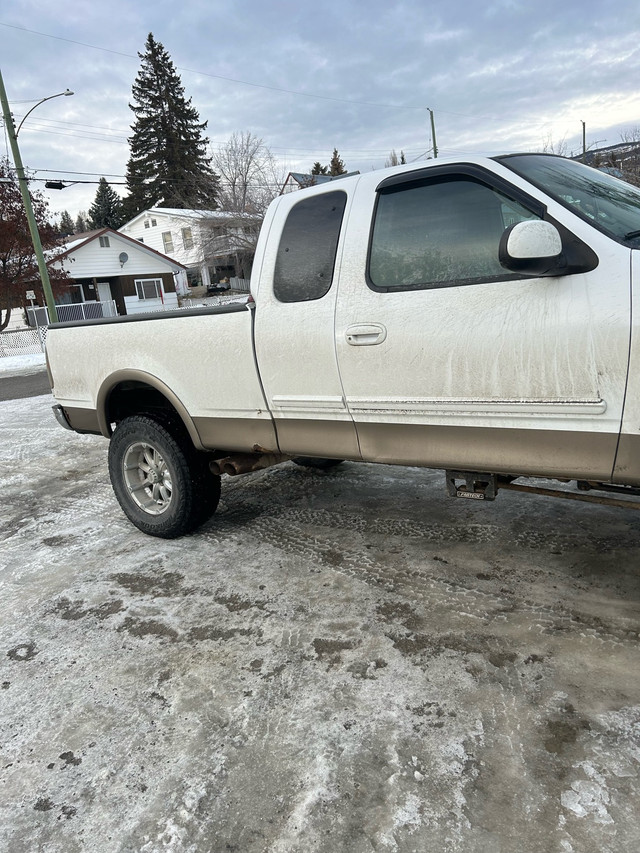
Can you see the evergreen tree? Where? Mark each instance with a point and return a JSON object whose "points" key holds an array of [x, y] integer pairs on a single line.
{"points": [[81, 223], [319, 169], [336, 166], [65, 229], [106, 210], [168, 164]]}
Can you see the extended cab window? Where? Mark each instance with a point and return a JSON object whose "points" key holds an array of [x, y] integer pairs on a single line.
{"points": [[307, 251], [438, 232]]}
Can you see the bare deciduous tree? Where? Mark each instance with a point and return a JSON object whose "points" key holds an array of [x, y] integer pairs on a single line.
{"points": [[18, 263], [394, 160], [250, 177], [630, 159], [551, 147]]}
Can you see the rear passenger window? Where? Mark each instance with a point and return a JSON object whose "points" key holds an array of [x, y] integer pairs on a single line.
{"points": [[307, 252]]}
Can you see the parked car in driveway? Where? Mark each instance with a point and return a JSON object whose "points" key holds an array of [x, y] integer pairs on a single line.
{"points": [[220, 287]]}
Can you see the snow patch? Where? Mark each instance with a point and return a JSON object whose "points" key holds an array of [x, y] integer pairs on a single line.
{"points": [[21, 365], [588, 797]]}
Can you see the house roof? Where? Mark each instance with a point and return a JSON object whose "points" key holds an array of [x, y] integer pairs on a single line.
{"points": [[181, 213], [75, 240], [80, 240], [307, 180]]}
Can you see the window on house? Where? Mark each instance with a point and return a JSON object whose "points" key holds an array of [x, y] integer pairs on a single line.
{"points": [[167, 241], [154, 222], [146, 224], [104, 241], [187, 238], [149, 288]]}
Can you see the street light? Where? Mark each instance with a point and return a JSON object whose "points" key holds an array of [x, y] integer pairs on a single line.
{"points": [[26, 198], [66, 93]]}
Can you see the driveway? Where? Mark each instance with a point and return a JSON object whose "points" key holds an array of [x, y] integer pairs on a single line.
{"points": [[30, 385], [341, 661]]}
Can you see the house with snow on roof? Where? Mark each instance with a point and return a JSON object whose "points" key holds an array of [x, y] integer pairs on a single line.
{"points": [[211, 244]]}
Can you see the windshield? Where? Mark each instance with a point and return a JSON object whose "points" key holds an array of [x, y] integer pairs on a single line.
{"points": [[612, 205]]}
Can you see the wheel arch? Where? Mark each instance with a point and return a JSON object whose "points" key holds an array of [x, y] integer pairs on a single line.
{"points": [[135, 392]]}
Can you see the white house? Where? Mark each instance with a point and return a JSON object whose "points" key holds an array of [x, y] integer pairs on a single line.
{"points": [[211, 244], [112, 269]]}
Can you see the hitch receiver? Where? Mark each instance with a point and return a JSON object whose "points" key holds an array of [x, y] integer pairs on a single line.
{"points": [[472, 485]]}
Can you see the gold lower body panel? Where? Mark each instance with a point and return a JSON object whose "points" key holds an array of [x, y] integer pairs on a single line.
{"points": [[543, 453]]}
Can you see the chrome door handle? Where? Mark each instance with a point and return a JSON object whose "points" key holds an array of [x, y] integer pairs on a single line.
{"points": [[366, 334]]}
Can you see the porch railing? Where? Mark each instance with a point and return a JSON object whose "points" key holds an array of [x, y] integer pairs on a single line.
{"points": [[73, 312]]}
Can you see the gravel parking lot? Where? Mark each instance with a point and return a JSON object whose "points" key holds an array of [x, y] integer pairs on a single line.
{"points": [[342, 661]]}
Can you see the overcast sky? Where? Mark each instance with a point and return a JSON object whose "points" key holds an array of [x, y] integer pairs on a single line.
{"points": [[359, 75]]}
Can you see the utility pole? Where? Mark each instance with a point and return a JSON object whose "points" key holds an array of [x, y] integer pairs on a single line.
{"points": [[433, 134], [28, 207], [584, 142]]}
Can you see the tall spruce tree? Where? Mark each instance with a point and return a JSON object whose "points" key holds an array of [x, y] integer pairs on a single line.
{"points": [[106, 210], [336, 166], [168, 165]]}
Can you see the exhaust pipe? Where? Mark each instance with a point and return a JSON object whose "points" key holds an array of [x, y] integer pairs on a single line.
{"points": [[245, 463]]}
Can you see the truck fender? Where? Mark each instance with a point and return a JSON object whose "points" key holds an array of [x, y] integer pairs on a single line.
{"points": [[132, 375]]}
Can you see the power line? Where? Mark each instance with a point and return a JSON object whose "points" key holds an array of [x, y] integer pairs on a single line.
{"points": [[318, 151], [95, 137], [60, 121], [234, 79]]}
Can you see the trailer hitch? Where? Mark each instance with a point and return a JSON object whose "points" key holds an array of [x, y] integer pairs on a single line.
{"points": [[472, 485]]}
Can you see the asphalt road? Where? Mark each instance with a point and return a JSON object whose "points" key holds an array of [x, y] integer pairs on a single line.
{"points": [[19, 387]]}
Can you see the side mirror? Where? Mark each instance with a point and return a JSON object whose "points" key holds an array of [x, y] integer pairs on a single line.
{"points": [[533, 247]]}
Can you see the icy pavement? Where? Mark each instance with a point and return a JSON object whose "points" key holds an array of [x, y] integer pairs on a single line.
{"points": [[340, 662]]}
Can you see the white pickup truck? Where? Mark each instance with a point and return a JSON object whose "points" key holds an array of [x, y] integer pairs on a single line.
{"points": [[474, 315]]}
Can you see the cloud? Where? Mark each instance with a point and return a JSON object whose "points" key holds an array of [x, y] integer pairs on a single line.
{"points": [[356, 74]]}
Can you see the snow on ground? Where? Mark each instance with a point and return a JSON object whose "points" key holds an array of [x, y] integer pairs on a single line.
{"points": [[337, 662], [21, 365]]}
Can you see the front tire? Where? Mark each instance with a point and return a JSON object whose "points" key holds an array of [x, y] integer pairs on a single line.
{"points": [[162, 483]]}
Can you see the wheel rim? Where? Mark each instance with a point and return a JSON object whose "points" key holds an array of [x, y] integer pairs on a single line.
{"points": [[147, 478]]}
